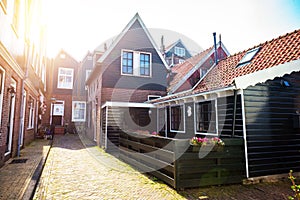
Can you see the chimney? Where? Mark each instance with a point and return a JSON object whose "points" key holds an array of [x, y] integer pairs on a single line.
{"points": [[162, 45], [215, 45], [105, 46]]}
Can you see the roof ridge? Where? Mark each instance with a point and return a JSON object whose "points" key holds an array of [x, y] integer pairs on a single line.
{"points": [[266, 42]]}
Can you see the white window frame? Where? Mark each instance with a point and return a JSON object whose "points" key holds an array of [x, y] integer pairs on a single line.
{"points": [[87, 73], [249, 55], [31, 116], [179, 51], [180, 61], [3, 5], [73, 111], [151, 97], [1, 90], [16, 17], [63, 85], [195, 117], [136, 63], [183, 116]]}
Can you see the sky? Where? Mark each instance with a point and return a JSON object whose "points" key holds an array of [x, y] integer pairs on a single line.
{"points": [[79, 26]]}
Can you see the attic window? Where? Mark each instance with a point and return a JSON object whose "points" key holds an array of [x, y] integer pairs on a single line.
{"points": [[248, 57], [179, 51], [62, 56]]}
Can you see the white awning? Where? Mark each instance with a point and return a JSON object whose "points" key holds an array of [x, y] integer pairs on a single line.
{"points": [[262, 76]]}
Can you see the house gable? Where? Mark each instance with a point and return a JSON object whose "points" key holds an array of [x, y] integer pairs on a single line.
{"points": [[176, 53], [193, 69], [135, 39]]}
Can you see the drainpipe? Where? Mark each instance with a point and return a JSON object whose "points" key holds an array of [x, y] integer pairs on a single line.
{"points": [[27, 53], [21, 126], [215, 45]]}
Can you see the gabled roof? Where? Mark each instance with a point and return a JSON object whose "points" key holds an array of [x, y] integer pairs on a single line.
{"points": [[283, 49], [168, 48], [182, 70], [67, 54], [185, 70], [136, 18], [120, 36]]}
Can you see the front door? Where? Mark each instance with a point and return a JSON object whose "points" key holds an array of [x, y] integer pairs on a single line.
{"points": [[11, 113]]}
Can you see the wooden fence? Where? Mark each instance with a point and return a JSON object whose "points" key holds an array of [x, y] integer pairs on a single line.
{"points": [[181, 165]]}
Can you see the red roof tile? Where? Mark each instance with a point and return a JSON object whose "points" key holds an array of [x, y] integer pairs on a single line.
{"points": [[180, 70], [284, 49]]}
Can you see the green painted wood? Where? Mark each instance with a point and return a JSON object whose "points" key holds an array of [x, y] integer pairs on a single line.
{"points": [[187, 169]]}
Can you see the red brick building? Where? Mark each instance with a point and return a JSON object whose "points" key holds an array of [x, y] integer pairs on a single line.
{"points": [[22, 74]]}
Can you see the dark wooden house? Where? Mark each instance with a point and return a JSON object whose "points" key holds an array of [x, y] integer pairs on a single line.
{"points": [[253, 95], [130, 72]]}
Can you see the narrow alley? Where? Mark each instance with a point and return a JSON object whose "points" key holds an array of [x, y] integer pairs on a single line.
{"points": [[75, 171]]}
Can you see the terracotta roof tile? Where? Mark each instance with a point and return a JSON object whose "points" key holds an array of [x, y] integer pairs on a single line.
{"points": [[180, 70], [277, 51]]}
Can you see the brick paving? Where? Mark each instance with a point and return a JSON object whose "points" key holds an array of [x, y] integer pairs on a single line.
{"points": [[75, 171], [17, 181]]}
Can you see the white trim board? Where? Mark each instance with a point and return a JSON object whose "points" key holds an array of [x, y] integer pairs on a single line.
{"points": [[262, 76], [128, 104]]}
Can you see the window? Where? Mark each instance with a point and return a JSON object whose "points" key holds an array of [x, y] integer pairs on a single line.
{"points": [[78, 111], [248, 56], [16, 15], [144, 64], [206, 117], [179, 51], [177, 118], [3, 4], [87, 74], [62, 55], [1, 90], [152, 97], [31, 104], [136, 63], [65, 78], [127, 62], [180, 61], [202, 72]]}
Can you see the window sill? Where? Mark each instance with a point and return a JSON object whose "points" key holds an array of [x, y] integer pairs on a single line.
{"points": [[175, 131], [202, 133], [133, 75]]}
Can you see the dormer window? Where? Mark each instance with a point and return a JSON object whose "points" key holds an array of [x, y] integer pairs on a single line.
{"points": [[248, 57], [136, 63], [179, 51], [62, 56]]}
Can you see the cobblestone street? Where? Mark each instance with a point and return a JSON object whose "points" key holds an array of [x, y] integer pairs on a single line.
{"points": [[73, 171], [77, 169]]}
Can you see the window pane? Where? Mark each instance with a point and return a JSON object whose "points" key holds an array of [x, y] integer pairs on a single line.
{"points": [[177, 118], [144, 64], [206, 118], [127, 62], [129, 54]]}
